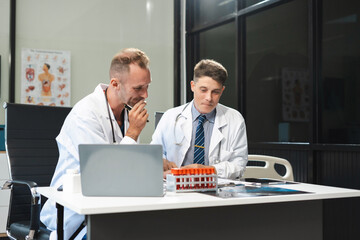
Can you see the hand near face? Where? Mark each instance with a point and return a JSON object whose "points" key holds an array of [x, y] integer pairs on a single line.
{"points": [[138, 116]]}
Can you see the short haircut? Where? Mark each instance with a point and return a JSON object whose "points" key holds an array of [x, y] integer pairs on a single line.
{"points": [[212, 69], [47, 65], [121, 61]]}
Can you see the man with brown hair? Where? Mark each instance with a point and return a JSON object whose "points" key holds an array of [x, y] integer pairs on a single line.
{"points": [[204, 132]]}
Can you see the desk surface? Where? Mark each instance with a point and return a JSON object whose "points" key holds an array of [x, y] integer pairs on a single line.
{"points": [[99, 205]]}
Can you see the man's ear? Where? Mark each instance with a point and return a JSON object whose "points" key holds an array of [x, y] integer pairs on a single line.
{"points": [[192, 83], [114, 82]]}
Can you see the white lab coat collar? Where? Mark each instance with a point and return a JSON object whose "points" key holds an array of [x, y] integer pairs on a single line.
{"points": [[220, 122], [99, 91], [216, 137], [186, 123]]}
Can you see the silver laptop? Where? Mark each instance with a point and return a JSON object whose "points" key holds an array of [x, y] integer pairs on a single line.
{"points": [[123, 170]]}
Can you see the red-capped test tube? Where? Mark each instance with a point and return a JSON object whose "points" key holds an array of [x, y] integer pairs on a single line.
{"points": [[191, 178], [196, 178], [208, 172], [182, 173]]}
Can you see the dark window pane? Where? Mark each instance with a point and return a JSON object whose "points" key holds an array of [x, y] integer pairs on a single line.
{"points": [[248, 3], [340, 83], [207, 11], [219, 44], [277, 78]]}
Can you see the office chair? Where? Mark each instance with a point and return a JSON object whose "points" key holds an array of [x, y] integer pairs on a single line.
{"points": [[158, 116], [268, 170], [32, 152]]}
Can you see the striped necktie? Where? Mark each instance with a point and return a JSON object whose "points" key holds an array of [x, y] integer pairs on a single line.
{"points": [[199, 149]]}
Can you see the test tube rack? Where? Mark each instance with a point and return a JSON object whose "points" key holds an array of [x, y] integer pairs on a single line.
{"points": [[192, 180]]}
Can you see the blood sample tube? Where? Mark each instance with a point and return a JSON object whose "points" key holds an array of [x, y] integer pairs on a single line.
{"points": [[187, 180], [196, 178], [191, 178], [202, 178], [208, 179], [182, 174], [212, 178]]}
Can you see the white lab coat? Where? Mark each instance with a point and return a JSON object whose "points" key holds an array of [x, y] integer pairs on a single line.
{"points": [[174, 132], [88, 122]]}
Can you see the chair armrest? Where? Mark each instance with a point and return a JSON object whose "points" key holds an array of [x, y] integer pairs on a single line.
{"points": [[8, 183], [35, 203]]}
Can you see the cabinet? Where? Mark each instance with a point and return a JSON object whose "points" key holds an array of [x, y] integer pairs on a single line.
{"points": [[4, 194]]}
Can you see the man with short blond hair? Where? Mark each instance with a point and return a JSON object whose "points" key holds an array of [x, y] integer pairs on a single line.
{"points": [[101, 118]]}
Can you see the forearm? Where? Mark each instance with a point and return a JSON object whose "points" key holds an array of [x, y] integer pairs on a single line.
{"points": [[231, 169]]}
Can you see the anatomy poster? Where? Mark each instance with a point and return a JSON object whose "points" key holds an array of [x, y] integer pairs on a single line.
{"points": [[295, 95], [45, 77]]}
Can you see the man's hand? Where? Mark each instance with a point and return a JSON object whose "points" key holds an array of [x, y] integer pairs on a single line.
{"points": [[137, 120], [168, 165], [166, 173]]}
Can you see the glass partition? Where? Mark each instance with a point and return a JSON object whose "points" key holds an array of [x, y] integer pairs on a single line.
{"points": [[219, 44], [340, 73], [277, 76], [206, 11]]}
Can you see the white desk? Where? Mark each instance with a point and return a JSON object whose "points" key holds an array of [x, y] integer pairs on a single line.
{"points": [[200, 216]]}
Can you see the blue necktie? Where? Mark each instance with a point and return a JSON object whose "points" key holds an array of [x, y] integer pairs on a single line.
{"points": [[199, 149]]}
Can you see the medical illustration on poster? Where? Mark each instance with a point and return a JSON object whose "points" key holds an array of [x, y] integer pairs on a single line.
{"points": [[45, 77], [295, 95]]}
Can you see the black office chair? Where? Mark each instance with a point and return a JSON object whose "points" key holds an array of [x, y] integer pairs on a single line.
{"points": [[158, 116], [30, 133]]}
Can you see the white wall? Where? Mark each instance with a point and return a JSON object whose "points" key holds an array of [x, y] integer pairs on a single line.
{"points": [[94, 30], [4, 52]]}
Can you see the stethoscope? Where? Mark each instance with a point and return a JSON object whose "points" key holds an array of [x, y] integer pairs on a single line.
{"points": [[176, 120], [217, 160], [108, 109]]}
